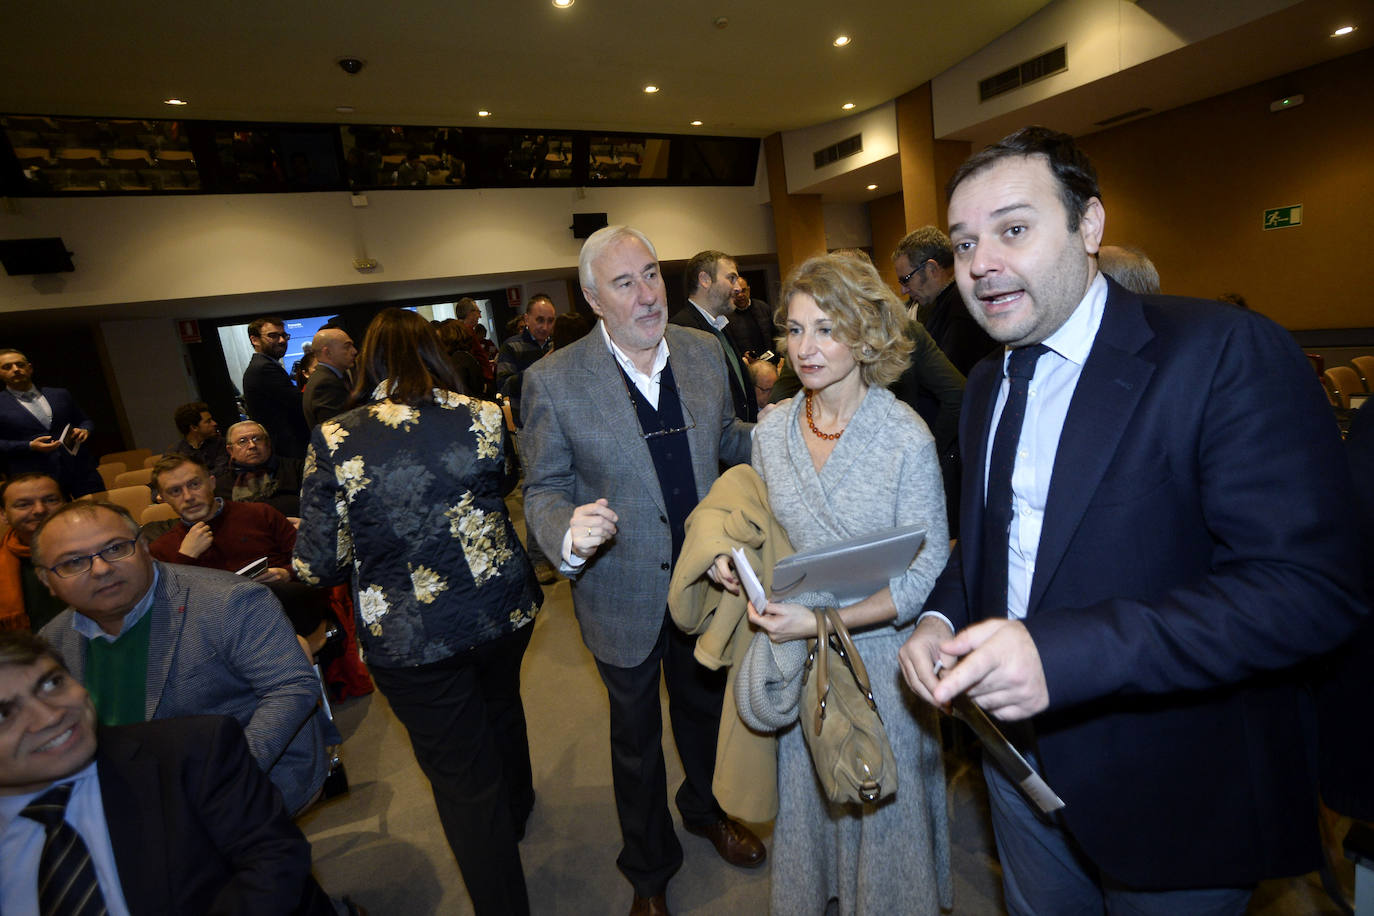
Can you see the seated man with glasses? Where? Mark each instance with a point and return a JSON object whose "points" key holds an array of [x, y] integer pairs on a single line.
{"points": [[155, 641], [258, 474], [271, 398]]}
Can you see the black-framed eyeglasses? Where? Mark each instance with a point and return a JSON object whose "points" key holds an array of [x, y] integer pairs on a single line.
{"points": [[75, 566], [914, 271], [659, 433], [277, 335]]}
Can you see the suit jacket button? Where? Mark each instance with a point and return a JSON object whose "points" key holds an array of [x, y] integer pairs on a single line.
{"points": [[663, 519], [664, 566]]}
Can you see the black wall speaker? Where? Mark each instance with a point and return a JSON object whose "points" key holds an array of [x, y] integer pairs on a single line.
{"points": [[584, 224], [35, 256]]}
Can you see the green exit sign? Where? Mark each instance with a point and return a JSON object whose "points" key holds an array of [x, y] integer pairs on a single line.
{"points": [[1283, 217]]}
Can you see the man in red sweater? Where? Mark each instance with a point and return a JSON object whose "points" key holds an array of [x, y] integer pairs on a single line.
{"points": [[218, 533]]}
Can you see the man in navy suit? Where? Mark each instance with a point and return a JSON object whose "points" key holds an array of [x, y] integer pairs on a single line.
{"points": [[1145, 554], [159, 817], [268, 392], [710, 279], [31, 419]]}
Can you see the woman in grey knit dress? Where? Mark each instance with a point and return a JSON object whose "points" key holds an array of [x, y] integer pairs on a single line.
{"points": [[845, 458]]}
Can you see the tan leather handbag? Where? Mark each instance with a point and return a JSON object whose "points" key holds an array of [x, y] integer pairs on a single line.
{"points": [[844, 732]]}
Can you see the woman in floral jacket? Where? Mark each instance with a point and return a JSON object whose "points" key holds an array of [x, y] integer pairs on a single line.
{"points": [[405, 493]]}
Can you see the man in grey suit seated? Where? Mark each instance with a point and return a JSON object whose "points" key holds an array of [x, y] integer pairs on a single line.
{"points": [[624, 431], [153, 641]]}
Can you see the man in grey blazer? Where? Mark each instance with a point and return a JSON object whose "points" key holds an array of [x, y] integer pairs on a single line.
{"points": [[624, 432], [153, 641]]}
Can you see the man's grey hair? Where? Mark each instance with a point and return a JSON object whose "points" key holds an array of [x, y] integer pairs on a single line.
{"points": [[596, 245], [925, 244], [1129, 267], [232, 433]]}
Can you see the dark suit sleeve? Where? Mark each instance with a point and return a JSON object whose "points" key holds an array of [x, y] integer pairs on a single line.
{"points": [[1272, 488], [325, 399], [934, 372], [16, 439], [268, 857]]}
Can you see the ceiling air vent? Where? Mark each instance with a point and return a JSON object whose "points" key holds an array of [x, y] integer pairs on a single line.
{"points": [[837, 151], [1036, 68]]}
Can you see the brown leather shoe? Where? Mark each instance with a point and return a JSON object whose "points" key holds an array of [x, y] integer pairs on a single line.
{"points": [[657, 905], [735, 842]]}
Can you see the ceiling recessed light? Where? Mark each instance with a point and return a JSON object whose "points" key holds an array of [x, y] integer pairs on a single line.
{"points": [[344, 109], [483, 113], [1343, 30], [847, 105], [173, 102], [651, 88], [562, 4], [873, 187], [841, 41], [696, 123]]}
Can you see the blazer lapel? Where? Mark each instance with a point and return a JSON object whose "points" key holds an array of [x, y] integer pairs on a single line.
{"points": [[1104, 402], [132, 798], [608, 396], [169, 615], [976, 423]]}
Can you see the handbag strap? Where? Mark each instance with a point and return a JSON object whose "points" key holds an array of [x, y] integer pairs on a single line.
{"points": [[821, 650], [851, 656]]}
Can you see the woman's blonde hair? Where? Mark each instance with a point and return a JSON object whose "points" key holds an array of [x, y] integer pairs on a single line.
{"points": [[868, 317]]}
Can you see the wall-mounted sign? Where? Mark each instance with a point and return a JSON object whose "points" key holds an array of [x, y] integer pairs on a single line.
{"points": [[1283, 217], [189, 329]]}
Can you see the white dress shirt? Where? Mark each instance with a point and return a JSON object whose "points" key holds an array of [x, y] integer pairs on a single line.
{"points": [[21, 846], [1047, 404]]}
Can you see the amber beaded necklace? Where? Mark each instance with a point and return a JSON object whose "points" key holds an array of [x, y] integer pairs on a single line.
{"points": [[830, 437]]}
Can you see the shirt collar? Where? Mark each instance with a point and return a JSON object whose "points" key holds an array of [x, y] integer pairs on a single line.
{"points": [[716, 321], [660, 356], [11, 805], [91, 630], [337, 372]]}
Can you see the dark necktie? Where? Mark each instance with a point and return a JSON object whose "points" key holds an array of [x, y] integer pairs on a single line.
{"points": [[67, 885], [998, 514]]}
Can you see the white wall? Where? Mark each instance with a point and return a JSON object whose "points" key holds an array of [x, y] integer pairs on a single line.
{"points": [[170, 248], [148, 359], [878, 126], [1103, 38]]}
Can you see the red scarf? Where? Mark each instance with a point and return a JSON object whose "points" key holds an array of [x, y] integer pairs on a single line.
{"points": [[13, 556]]}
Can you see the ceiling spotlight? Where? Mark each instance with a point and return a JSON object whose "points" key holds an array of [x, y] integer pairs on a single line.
{"points": [[562, 4], [841, 41], [696, 123], [1343, 30], [847, 106], [651, 88], [173, 102], [873, 187], [483, 113]]}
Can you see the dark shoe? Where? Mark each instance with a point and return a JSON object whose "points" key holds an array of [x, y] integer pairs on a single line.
{"points": [[657, 905], [735, 842]]}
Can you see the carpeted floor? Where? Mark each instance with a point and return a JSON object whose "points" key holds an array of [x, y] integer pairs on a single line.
{"points": [[382, 844]]}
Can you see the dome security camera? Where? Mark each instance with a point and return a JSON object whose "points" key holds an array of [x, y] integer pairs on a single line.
{"points": [[350, 65]]}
